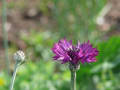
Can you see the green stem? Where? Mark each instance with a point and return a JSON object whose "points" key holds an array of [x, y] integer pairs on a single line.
{"points": [[14, 76], [5, 35], [73, 79]]}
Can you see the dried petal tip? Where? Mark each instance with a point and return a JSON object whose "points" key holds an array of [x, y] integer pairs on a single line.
{"points": [[19, 56]]}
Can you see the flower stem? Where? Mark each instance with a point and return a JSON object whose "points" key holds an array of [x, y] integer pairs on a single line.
{"points": [[5, 34], [73, 79], [14, 76]]}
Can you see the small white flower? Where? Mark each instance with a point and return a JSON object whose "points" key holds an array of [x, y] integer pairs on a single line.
{"points": [[19, 56]]}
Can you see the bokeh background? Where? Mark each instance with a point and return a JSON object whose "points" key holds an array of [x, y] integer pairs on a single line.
{"points": [[35, 25]]}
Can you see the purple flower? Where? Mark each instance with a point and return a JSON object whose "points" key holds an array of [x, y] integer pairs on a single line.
{"points": [[66, 52]]}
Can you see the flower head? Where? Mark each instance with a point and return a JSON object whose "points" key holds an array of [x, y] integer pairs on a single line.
{"points": [[19, 56], [66, 52]]}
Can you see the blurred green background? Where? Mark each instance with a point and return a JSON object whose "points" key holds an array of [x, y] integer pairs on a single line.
{"points": [[35, 25]]}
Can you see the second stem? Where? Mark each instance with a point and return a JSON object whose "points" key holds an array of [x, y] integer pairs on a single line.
{"points": [[14, 76]]}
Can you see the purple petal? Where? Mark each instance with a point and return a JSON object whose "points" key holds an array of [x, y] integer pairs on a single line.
{"points": [[60, 49]]}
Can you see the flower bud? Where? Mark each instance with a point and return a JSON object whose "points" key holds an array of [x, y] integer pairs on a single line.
{"points": [[74, 67], [19, 56]]}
